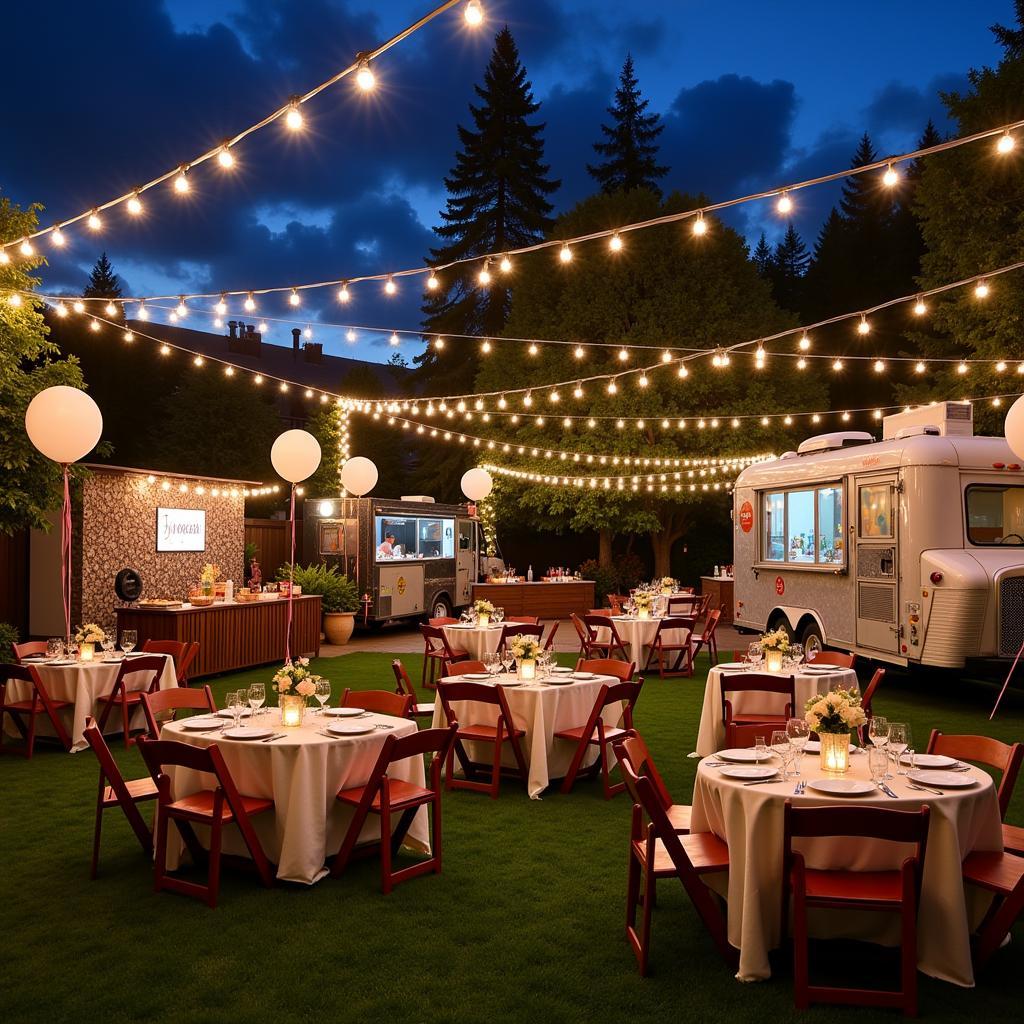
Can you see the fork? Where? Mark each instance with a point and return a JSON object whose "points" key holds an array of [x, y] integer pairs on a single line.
{"points": [[925, 789], [799, 788]]}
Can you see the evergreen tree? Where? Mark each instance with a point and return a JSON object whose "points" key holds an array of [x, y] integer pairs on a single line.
{"points": [[103, 282], [763, 256], [787, 268], [630, 149]]}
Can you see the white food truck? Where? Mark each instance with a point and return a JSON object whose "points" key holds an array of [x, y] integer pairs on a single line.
{"points": [[908, 550]]}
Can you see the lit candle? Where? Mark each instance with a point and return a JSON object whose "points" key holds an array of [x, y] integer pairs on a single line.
{"points": [[86, 652], [773, 661], [483, 620], [527, 668]]}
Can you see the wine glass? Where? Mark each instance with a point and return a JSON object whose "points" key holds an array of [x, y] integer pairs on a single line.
{"points": [[781, 746], [499, 615], [796, 652], [878, 733], [753, 650], [756, 656], [129, 638], [107, 643], [322, 692], [230, 702], [508, 659], [899, 741], [799, 733], [877, 760], [54, 647], [257, 697], [760, 749]]}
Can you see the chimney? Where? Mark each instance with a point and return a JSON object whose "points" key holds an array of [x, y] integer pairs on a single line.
{"points": [[313, 352], [232, 326], [296, 334]]}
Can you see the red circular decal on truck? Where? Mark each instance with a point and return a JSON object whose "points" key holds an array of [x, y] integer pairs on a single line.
{"points": [[746, 517], [780, 585]]}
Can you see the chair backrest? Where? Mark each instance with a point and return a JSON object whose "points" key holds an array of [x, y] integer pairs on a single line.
{"points": [[711, 624], [1003, 757], [577, 623], [634, 750], [513, 629], [481, 693], [531, 620], [399, 748], [741, 735], [469, 666], [621, 670], [28, 648], [674, 622], [616, 693], [383, 702], [758, 682], [838, 658], [108, 766], [599, 611], [442, 620], [684, 604], [615, 603], [175, 648], [865, 700], [173, 699], [158, 754], [436, 639], [23, 673], [153, 664], [403, 684], [550, 642], [595, 622]]}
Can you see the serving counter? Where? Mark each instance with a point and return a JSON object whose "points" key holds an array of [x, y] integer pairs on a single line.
{"points": [[231, 635], [545, 600], [721, 590]]}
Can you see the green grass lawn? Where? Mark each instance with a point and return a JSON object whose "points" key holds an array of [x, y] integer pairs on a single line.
{"points": [[525, 923]]}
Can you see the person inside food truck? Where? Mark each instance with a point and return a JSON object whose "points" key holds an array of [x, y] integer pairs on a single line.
{"points": [[387, 546]]}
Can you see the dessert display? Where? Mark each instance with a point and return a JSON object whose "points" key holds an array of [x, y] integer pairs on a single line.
{"points": [[165, 603]]}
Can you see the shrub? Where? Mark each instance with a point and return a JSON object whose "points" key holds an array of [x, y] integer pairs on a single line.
{"points": [[337, 591], [630, 569], [8, 636], [605, 580]]}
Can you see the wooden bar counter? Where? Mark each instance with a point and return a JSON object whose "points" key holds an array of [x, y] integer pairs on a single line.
{"points": [[721, 590], [545, 600], [231, 636]]}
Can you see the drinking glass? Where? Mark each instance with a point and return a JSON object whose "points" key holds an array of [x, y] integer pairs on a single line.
{"points": [[508, 659], [878, 733], [107, 643], [230, 702], [129, 638], [499, 614], [797, 653], [55, 647], [760, 749], [257, 697], [799, 733], [781, 746], [877, 760], [322, 692], [756, 656], [899, 741]]}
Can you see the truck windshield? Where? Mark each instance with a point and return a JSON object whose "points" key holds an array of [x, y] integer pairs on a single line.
{"points": [[995, 515]]}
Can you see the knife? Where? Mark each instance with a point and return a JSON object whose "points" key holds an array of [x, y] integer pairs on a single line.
{"points": [[276, 736], [763, 782], [887, 791]]}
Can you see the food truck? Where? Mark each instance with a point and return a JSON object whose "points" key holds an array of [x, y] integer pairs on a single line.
{"points": [[908, 550], [410, 557]]}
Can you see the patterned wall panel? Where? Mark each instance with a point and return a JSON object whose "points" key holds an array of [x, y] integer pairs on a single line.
{"points": [[118, 529]]}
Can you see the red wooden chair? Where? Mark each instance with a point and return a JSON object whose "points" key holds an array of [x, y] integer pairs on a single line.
{"points": [[442, 620], [581, 633], [549, 644], [896, 891], [514, 628], [382, 702], [596, 733], [386, 796], [497, 735], [175, 699], [1005, 758], [128, 700], [403, 685], [838, 658], [29, 708], [1001, 874], [615, 603], [684, 604], [526, 620], [212, 807], [603, 648], [438, 654], [755, 682], [184, 652], [633, 750], [117, 791], [707, 638], [607, 667], [28, 649], [664, 650], [659, 851]]}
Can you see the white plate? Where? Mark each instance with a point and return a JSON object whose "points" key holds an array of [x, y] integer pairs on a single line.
{"points": [[509, 682], [559, 680], [349, 729], [733, 665], [742, 755], [477, 676], [66, 661], [944, 780], [819, 670], [248, 732], [201, 723], [583, 675], [812, 747], [749, 771], [933, 761], [226, 713], [841, 787], [345, 712], [562, 670]]}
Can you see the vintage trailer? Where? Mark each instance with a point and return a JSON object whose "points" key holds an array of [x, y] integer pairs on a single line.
{"points": [[436, 556], [908, 550]]}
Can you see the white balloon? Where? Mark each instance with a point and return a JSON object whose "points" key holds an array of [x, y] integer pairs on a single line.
{"points": [[1014, 428], [477, 484], [63, 423], [358, 476], [295, 455]]}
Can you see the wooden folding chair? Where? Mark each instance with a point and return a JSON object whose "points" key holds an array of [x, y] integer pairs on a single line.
{"points": [[27, 649], [897, 891], [19, 710], [621, 670], [128, 700], [381, 702], [497, 735], [595, 733], [212, 807], [513, 628], [117, 791], [838, 658], [438, 654], [386, 796], [526, 620], [659, 851], [664, 650], [684, 604], [603, 648], [755, 682], [707, 638], [549, 644], [174, 699], [184, 653], [1005, 758], [581, 633], [1001, 874], [442, 620], [403, 685], [615, 603], [632, 749]]}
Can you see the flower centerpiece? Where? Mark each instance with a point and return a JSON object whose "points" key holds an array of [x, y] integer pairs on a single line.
{"points": [[87, 637], [775, 644], [833, 716], [294, 684], [525, 650], [208, 578], [484, 610], [642, 601], [668, 585]]}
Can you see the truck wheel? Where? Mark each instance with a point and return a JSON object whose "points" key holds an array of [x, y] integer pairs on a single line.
{"points": [[811, 639], [441, 609], [780, 622]]}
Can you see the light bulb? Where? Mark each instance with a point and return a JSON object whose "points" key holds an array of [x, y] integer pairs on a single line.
{"points": [[308, 332], [612, 387], [801, 363], [14, 299], [484, 277], [439, 343], [528, 399], [181, 181], [700, 225], [1000, 366], [961, 368], [94, 221], [389, 286], [293, 119], [350, 335], [250, 303], [505, 265], [198, 361], [804, 343], [565, 253], [474, 13], [57, 237], [62, 310], [229, 371], [981, 290], [837, 365], [225, 157], [578, 352], [533, 350], [343, 294], [432, 282], [293, 299], [394, 339], [759, 358], [181, 309], [26, 248], [5, 257], [365, 78], [135, 205], [94, 324], [1005, 143], [623, 355], [578, 390], [258, 379], [485, 347], [863, 327], [879, 366], [890, 177], [666, 356], [682, 372], [785, 204], [165, 350], [143, 313], [110, 309], [920, 308], [643, 381], [222, 306], [615, 243]]}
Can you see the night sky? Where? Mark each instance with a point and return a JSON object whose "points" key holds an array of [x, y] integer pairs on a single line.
{"points": [[103, 96]]}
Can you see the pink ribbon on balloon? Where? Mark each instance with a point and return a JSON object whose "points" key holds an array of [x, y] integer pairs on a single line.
{"points": [[291, 583], [65, 554]]}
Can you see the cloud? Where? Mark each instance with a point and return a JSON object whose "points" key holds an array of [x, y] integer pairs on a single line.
{"points": [[904, 108]]}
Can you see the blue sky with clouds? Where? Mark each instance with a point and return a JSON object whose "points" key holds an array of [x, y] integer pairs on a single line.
{"points": [[103, 96]]}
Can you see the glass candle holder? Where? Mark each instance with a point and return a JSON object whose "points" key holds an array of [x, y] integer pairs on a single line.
{"points": [[773, 661], [835, 752], [86, 652], [527, 669], [292, 710]]}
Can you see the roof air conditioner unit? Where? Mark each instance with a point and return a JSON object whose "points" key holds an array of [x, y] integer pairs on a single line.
{"points": [[834, 441], [424, 498], [925, 430]]}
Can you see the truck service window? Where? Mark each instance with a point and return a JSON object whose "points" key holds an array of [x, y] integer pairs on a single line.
{"points": [[803, 527], [876, 510], [414, 537], [995, 515]]}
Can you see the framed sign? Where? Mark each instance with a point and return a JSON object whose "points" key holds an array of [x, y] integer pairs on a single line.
{"points": [[180, 529]]}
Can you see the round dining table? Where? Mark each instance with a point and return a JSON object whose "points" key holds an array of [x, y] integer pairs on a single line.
{"points": [[638, 635], [749, 818], [302, 771], [477, 641], [541, 709], [807, 682], [82, 683]]}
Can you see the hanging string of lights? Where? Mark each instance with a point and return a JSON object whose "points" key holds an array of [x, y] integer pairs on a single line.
{"points": [[290, 113], [502, 261], [657, 484]]}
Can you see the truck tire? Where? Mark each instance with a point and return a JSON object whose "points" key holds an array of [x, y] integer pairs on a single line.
{"points": [[811, 638], [440, 608], [780, 622]]}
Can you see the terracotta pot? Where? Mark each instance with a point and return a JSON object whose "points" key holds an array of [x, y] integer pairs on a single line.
{"points": [[338, 626]]}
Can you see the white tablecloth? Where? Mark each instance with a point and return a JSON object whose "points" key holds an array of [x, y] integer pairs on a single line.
{"points": [[542, 710], [749, 819], [473, 639], [302, 773], [711, 734], [82, 683], [638, 635]]}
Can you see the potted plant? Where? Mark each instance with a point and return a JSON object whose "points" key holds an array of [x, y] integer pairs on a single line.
{"points": [[338, 595]]}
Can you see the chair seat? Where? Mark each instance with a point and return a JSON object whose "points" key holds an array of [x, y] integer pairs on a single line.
{"points": [[997, 872], [403, 794], [706, 852], [483, 733], [1013, 838], [577, 734], [132, 697], [25, 706], [200, 805], [138, 789], [423, 709], [679, 816], [855, 886]]}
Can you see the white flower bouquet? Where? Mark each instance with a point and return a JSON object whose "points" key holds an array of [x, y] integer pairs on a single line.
{"points": [[483, 607], [90, 633], [294, 677], [836, 712], [776, 640], [524, 648], [642, 600]]}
